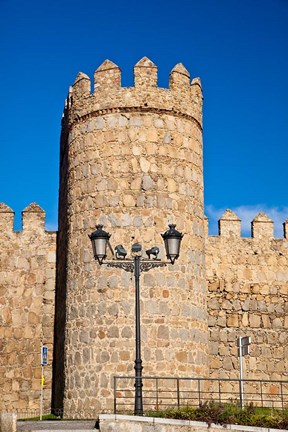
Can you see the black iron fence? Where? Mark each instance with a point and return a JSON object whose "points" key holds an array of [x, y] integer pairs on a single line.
{"points": [[31, 413], [168, 392], [160, 393]]}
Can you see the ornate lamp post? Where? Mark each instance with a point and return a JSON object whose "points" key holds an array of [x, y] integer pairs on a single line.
{"points": [[136, 264]]}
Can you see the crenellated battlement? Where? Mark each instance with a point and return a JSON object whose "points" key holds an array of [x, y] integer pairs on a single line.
{"points": [[33, 219], [6, 218], [182, 97], [262, 227]]}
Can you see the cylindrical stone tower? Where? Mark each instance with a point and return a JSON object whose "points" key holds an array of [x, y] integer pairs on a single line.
{"points": [[131, 159]]}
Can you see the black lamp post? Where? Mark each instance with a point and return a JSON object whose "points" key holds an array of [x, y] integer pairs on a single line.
{"points": [[100, 242]]}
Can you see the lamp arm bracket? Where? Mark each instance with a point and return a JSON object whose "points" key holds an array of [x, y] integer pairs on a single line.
{"points": [[148, 265], [128, 266]]}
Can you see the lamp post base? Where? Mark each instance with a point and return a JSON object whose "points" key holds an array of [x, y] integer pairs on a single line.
{"points": [[138, 406]]}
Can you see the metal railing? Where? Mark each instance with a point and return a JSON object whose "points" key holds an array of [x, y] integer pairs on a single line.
{"points": [[51, 413], [172, 392], [28, 413], [31, 413]]}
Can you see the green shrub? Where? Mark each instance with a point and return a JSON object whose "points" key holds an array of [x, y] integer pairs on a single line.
{"points": [[232, 413]]}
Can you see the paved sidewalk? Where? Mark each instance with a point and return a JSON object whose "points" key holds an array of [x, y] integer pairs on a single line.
{"points": [[57, 426]]}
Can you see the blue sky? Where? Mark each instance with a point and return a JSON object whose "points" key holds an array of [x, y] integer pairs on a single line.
{"points": [[239, 48]]}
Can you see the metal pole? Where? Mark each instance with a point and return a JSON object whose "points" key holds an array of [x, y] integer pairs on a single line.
{"points": [[115, 400], [241, 373], [138, 407], [41, 395], [178, 393], [157, 401]]}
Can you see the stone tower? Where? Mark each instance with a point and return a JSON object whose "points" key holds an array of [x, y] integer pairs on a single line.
{"points": [[131, 159]]}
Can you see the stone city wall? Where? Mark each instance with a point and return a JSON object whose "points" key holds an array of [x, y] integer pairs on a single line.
{"points": [[27, 288], [248, 290], [131, 159]]}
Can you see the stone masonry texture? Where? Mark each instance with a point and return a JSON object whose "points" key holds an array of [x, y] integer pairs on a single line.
{"points": [[27, 291], [131, 159], [248, 288], [134, 164]]}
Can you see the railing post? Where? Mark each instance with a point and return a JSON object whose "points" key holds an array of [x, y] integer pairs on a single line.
{"points": [[178, 394], [157, 399], [199, 393], [219, 390], [115, 402], [261, 391], [241, 386]]}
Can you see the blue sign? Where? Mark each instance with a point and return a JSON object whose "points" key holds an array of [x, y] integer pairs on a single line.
{"points": [[44, 355]]}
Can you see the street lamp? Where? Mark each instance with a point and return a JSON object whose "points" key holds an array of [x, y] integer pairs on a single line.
{"points": [[172, 239], [136, 264], [100, 241]]}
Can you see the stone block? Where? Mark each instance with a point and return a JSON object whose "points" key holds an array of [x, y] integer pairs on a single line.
{"points": [[163, 332], [215, 363], [233, 320], [277, 323], [266, 321], [255, 320], [245, 319], [181, 356], [213, 348], [8, 422], [227, 363]]}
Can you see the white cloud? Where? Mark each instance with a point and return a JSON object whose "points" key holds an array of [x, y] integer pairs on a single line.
{"points": [[247, 213], [51, 226]]}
